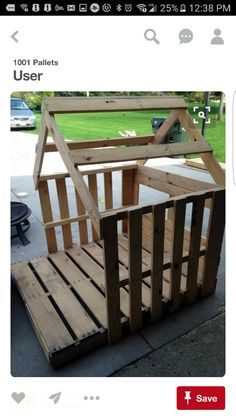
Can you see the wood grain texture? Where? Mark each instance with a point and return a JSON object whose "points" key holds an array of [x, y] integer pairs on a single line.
{"points": [[177, 251], [112, 103], [214, 242], [194, 248], [111, 155], [135, 269], [111, 265], [64, 211], [157, 259], [47, 215], [43, 133]]}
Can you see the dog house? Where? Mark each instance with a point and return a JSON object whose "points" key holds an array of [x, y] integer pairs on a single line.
{"points": [[129, 265]]}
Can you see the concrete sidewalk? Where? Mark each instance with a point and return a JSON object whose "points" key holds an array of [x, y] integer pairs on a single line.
{"points": [[183, 344]]}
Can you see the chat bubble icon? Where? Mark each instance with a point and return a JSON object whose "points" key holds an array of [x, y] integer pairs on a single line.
{"points": [[185, 36]]}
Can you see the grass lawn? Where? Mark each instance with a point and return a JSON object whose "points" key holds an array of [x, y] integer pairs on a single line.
{"points": [[107, 125]]}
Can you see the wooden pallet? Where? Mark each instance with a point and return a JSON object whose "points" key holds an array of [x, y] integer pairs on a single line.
{"points": [[64, 295]]}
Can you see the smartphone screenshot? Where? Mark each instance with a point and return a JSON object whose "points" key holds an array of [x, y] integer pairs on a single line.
{"points": [[118, 221]]}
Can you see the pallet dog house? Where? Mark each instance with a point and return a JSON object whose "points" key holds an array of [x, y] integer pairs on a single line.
{"points": [[141, 261]]}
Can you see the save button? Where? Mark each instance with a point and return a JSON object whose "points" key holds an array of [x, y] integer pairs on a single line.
{"points": [[201, 398]]}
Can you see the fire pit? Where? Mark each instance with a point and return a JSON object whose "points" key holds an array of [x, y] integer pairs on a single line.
{"points": [[19, 220]]}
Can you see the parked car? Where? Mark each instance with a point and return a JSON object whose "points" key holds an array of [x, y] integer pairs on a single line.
{"points": [[21, 115]]}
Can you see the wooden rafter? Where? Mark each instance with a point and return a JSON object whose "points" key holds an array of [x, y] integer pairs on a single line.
{"points": [[75, 174]]}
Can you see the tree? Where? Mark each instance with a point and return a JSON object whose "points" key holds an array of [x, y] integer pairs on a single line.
{"points": [[220, 116]]}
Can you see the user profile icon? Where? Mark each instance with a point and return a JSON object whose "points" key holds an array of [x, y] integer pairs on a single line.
{"points": [[217, 40]]}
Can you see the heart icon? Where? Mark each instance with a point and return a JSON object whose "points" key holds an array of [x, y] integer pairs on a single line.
{"points": [[18, 397]]}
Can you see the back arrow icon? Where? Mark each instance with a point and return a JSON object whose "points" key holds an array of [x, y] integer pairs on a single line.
{"points": [[13, 36]]}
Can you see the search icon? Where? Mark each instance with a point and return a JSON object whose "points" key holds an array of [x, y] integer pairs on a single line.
{"points": [[150, 35], [201, 115]]}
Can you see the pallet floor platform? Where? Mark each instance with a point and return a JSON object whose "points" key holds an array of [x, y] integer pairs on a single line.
{"points": [[64, 294]]}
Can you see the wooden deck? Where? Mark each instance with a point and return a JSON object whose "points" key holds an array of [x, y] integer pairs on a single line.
{"points": [[64, 295]]}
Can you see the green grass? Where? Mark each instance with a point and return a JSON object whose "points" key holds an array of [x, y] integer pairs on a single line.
{"points": [[107, 125]]}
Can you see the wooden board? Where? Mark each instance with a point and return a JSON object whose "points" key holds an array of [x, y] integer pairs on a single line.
{"points": [[110, 155], [80, 323], [49, 325], [64, 211], [112, 104], [47, 215], [40, 152], [106, 142], [135, 269], [198, 164]]}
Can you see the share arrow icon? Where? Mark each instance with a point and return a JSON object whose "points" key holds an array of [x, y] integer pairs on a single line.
{"points": [[55, 397]]}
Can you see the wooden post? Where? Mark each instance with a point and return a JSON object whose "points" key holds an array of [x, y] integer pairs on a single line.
{"points": [[111, 268], [177, 251], [130, 192], [108, 190], [214, 242], [64, 211], [157, 257], [47, 215], [194, 247], [83, 229], [135, 269], [93, 187]]}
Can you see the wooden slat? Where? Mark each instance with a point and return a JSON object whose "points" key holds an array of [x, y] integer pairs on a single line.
{"points": [[84, 171], [49, 327], [122, 213], [75, 175], [47, 215], [214, 242], [167, 188], [96, 252], [182, 182], [88, 265], [83, 228], [96, 273], [64, 211], [209, 160], [93, 188], [108, 190], [157, 254], [63, 221], [111, 262], [40, 152], [112, 103], [198, 164], [135, 269], [106, 142], [76, 316], [124, 243], [177, 251], [129, 193], [94, 300], [109, 155], [194, 248]]}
